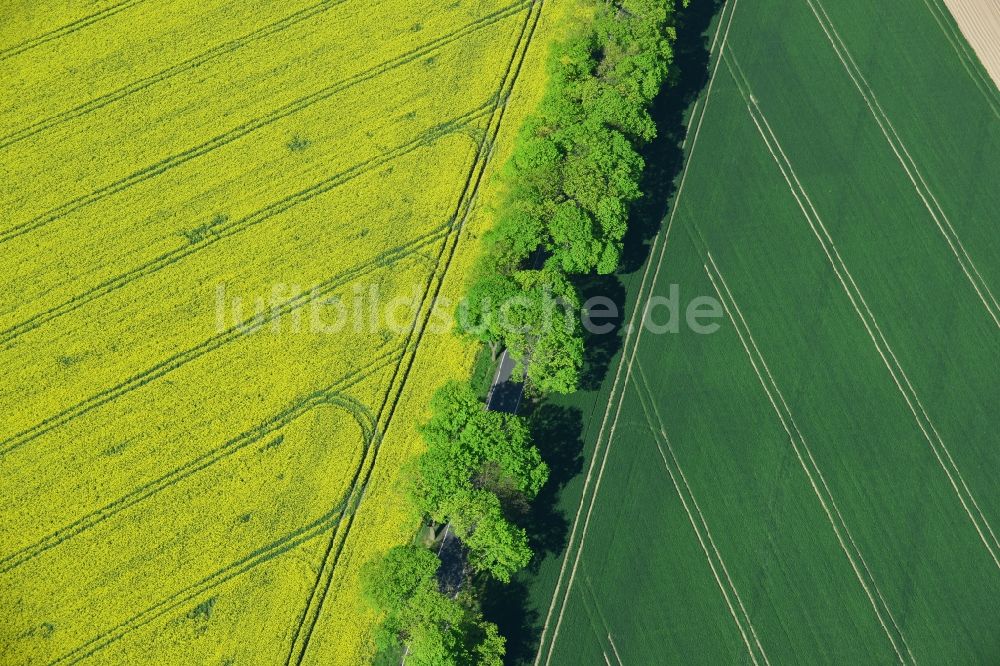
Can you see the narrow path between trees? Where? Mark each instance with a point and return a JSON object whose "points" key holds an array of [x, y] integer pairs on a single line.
{"points": [[506, 390]]}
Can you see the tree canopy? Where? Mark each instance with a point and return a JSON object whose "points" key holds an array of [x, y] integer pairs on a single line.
{"points": [[567, 191], [477, 466], [569, 185], [437, 630]]}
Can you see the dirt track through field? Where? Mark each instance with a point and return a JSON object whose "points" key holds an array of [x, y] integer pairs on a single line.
{"points": [[703, 533], [979, 21]]}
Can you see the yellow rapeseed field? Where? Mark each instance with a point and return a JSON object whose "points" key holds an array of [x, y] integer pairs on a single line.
{"points": [[195, 459]]}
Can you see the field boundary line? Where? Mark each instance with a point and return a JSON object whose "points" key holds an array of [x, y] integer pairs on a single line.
{"points": [[248, 327], [970, 62], [465, 206], [250, 126], [798, 452], [164, 74], [67, 29], [645, 394], [840, 269], [209, 458], [226, 228], [631, 328], [923, 190]]}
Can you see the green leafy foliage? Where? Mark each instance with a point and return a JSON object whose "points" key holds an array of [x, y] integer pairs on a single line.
{"points": [[491, 646], [479, 313], [576, 164], [479, 465], [435, 628], [542, 329], [495, 544], [404, 586], [570, 183]]}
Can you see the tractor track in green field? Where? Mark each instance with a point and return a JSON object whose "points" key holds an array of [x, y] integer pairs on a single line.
{"points": [[923, 190], [67, 29], [812, 469], [860, 305], [179, 68], [633, 334], [916, 569], [233, 446], [251, 126], [383, 260], [674, 470], [466, 203], [227, 228]]}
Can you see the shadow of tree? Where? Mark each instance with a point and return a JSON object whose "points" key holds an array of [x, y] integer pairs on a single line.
{"points": [[663, 155], [558, 429], [557, 433], [600, 348], [664, 161]]}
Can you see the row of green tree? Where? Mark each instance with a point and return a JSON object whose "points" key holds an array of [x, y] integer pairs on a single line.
{"points": [[479, 473], [569, 185], [568, 188]]}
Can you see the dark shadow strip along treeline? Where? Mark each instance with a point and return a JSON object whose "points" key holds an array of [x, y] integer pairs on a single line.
{"points": [[573, 183]]}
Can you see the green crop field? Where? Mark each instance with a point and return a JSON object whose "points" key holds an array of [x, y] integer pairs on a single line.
{"points": [[192, 470], [815, 482]]}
